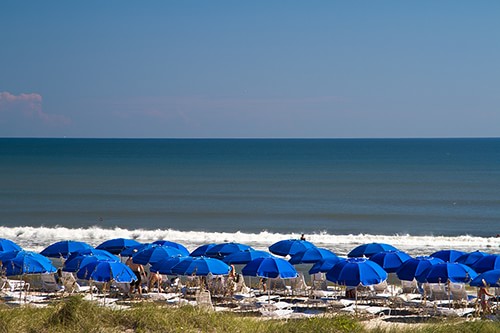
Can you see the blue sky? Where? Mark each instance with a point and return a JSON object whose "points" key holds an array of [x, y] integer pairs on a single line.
{"points": [[217, 69]]}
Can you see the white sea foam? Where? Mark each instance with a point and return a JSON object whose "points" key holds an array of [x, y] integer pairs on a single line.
{"points": [[37, 238]]}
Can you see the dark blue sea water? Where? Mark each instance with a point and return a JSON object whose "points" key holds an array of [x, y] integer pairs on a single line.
{"points": [[204, 188]]}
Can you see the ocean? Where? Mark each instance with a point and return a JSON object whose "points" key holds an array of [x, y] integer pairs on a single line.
{"points": [[419, 195]]}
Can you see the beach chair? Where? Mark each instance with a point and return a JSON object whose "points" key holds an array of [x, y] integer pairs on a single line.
{"points": [[459, 294], [49, 283], [14, 285], [69, 283], [279, 286], [298, 286], [409, 287], [204, 299], [438, 291]]}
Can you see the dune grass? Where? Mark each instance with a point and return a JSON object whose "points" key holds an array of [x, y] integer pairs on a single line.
{"points": [[76, 315]]}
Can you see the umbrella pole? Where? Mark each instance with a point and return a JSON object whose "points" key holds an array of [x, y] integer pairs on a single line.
{"points": [[356, 299], [449, 294]]}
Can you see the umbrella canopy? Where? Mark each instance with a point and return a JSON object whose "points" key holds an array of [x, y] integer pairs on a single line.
{"points": [[64, 248], [201, 251], [367, 250], [390, 261], [448, 255], [219, 251], [414, 267], [311, 255], [130, 251], [244, 257], [165, 266], [105, 271], [447, 271], [487, 263], [471, 258], [178, 246], [27, 262], [290, 247], [492, 279], [271, 267], [325, 265], [74, 264], [93, 252], [356, 271], [155, 253], [200, 266], [117, 245], [7, 245]]}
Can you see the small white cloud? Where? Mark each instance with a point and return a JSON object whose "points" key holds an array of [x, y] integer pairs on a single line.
{"points": [[27, 107]]}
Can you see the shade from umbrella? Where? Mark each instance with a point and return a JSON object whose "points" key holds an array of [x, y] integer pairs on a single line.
{"points": [[106, 271], [155, 253], [311, 255], [165, 266], [221, 250], [390, 261], [325, 265], [117, 245], [244, 257], [354, 272], [200, 266], [290, 247], [73, 264], [178, 246], [448, 255], [448, 271], [27, 262], [7, 245], [491, 278], [414, 267], [64, 248], [471, 258], [367, 250], [130, 251], [271, 267], [201, 251], [487, 263]]}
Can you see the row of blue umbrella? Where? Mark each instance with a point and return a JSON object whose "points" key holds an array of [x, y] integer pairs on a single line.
{"points": [[300, 251]]}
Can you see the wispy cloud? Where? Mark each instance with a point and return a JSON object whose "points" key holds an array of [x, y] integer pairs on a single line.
{"points": [[27, 107]]}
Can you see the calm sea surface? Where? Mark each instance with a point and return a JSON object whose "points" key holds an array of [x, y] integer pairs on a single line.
{"points": [[254, 190]]}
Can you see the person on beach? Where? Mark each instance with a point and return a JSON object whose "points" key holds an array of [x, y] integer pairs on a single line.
{"points": [[482, 292], [139, 273], [155, 279], [302, 237], [232, 272]]}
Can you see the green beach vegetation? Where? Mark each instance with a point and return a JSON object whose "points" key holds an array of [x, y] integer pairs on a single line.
{"points": [[76, 315]]}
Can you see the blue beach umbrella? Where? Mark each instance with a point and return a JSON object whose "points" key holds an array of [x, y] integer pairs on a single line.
{"points": [[117, 245], [64, 248], [367, 250], [390, 261], [492, 279], [105, 271], [74, 264], [448, 271], [271, 267], [219, 251], [471, 258], [448, 255], [165, 266], [178, 246], [201, 251], [130, 251], [325, 265], [155, 253], [6, 245], [311, 255], [415, 267], [27, 262], [8, 254], [200, 266], [487, 263], [290, 247], [244, 257], [354, 272], [92, 252]]}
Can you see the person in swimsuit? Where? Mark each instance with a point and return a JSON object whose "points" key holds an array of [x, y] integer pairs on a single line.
{"points": [[139, 273]]}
